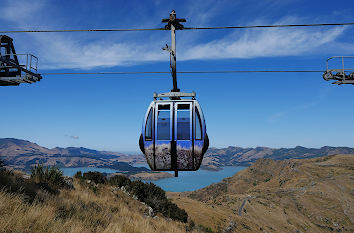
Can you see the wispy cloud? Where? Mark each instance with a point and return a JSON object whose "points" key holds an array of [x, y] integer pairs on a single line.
{"points": [[275, 117], [19, 11], [271, 42], [58, 52], [302, 107], [72, 137], [68, 51]]}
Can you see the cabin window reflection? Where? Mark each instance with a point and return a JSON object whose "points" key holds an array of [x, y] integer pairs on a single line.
{"points": [[198, 125], [148, 128], [163, 122], [183, 122]]}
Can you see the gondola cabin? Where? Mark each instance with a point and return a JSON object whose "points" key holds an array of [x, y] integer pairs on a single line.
{"points": [[174, 135]]}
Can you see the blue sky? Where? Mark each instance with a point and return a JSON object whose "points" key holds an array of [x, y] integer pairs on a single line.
{"points": [[250, 109]]}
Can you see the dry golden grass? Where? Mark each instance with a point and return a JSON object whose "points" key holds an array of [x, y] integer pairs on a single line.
{"points": [[212, 216], [312, 195], [81, 210], [309, 195]]}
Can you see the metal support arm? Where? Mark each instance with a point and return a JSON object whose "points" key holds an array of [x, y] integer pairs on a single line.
{"points": [[173, 24]]}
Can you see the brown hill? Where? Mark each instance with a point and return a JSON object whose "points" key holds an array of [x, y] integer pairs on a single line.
{"points": [[308, 195], [107, 209], [21, 154], [238, 156]]}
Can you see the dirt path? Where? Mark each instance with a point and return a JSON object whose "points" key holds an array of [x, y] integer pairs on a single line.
{"points": [[243, 205]]}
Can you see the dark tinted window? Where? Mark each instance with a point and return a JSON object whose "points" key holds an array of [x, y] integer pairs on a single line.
{"points": [[163, 123], [183, 106], [164, 107], [198, 125], [183, 122], [148, 127]]}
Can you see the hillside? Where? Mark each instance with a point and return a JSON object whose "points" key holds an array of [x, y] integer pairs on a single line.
{"points": [[94, 208], [21, 154], [238, 156], [308, 195]]}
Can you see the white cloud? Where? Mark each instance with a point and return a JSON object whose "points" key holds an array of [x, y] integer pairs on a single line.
{"points": [[283, 114], [275, 117], [59, 52], [254, 43], [19, 11], [72, 137], [83, 51]]}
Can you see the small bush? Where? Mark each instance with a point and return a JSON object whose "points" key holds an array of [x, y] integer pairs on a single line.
{"points": [[52, 176], [91, 179], [13, 183], [149, 193], [96, 177], [266, 180], [119, 180], [152, 195], [205, 229], [78, 175]]}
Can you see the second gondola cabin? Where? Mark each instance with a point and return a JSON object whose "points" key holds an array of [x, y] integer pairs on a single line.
{"points": [[174, 134]]}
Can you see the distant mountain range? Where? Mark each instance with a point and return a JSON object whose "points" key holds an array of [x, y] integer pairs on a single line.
{"points": [[237, 156], [22, 154]]}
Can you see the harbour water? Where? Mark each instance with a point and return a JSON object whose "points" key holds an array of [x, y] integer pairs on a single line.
{"points": [[186, 181], [71, 171], [193, 180]]}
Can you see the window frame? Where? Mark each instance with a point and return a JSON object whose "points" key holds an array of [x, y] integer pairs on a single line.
{"points": [[157, 120], [150, 115], [197, 115], [178, 110]]}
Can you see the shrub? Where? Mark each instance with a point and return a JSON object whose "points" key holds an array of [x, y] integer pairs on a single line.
{"points": [[51, 176], [78, 175], [137, 188], [14, 183], [2, 166], [171, 210], [152, 195], [149, 193], [96, 177], [119, 180]]}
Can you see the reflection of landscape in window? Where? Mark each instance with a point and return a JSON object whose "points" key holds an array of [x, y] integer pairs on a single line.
{"points": [[183, 124], [163, 125]]}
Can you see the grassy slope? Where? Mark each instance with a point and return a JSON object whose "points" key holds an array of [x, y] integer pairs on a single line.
{"points": [[311, 195], [81, 210]]}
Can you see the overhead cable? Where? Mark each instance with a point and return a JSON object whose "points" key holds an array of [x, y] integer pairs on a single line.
{"points": [[88, 30], [187, 72], [186, 28], [271, 26]]}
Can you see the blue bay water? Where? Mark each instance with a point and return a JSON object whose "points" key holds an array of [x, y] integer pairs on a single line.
{"points": [[186, 180], [193, 180], [71, 171]]}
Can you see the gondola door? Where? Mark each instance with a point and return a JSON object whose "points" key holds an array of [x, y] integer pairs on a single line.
{"points": [[163, 135], [183, 136]]}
